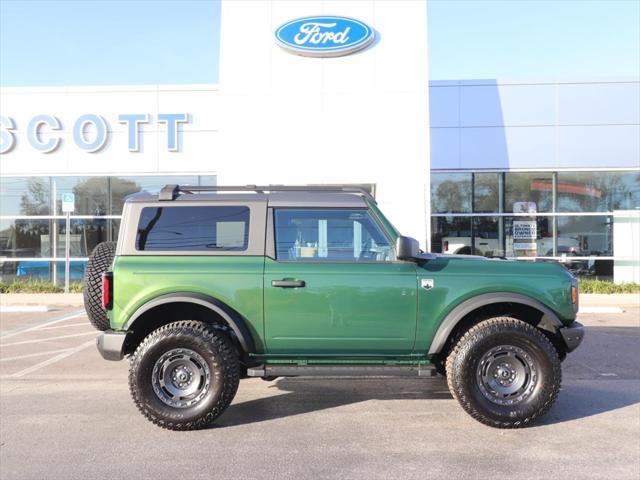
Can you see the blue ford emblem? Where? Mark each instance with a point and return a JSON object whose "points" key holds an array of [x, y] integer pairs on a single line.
{"points": [[324, 36]]}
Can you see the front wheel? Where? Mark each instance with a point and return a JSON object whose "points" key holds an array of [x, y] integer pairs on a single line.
{"points": [[184, 375], [504, 372]]}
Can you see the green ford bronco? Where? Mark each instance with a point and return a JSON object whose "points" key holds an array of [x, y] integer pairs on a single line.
{"points": [[208, 285]]}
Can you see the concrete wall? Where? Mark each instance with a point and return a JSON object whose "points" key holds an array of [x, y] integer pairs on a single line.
{"points": [[361, 118]]}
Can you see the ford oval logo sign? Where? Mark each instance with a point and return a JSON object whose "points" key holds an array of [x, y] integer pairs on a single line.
{"points": [[324, 36]]}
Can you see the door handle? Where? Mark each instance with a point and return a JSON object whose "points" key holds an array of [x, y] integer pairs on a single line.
{"points": [[288, 283]]}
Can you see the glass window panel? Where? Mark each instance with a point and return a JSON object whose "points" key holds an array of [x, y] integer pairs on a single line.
{"points": [[485, 192], [40, 271], [24, 238], [84, 235], [193, 229], [451, 234], [91, 194], [451, 192], [115, 229], [25, 196], [487, 240], [536, 187], [330, 235], [528, 236], [585, 235], [123, 186], [588, 269], [598, 191]]}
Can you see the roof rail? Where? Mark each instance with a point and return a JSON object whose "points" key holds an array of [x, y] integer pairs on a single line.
{"points": [[171, 191]]}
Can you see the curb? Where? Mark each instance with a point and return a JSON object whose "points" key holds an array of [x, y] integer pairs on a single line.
{"points": [[40, 299]]}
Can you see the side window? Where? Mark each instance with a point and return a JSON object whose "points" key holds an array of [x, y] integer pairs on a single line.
{"points": [[330, 235], [177, 228]]}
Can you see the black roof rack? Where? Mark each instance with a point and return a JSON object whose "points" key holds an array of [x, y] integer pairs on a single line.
{"points": [[171, 192]]}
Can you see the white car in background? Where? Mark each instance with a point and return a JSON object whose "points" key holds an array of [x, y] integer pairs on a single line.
{"points": [[490, 247]]}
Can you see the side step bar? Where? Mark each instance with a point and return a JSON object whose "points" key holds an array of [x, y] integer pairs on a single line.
{"points": [[287, 370]]}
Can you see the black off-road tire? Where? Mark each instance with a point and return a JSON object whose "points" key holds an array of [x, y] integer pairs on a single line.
{"points": [[99, 262], [207, 343], [480, 350]]}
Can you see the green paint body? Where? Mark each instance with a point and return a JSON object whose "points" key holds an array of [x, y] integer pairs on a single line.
{"points": [[352, 311]]}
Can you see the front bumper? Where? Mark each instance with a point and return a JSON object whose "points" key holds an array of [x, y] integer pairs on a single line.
{"points": [[572, 335], [111, 344]]}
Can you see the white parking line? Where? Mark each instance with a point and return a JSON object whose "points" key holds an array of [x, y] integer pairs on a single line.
{"points": [[52, 360], [48, 339], [38, 354], [44, 324]]}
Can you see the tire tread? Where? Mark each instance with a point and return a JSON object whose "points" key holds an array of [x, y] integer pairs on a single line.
{"points": [[498, 325], [99, 262], [218, 344]]}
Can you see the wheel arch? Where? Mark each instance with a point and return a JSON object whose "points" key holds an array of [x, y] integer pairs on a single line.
{"points": [[534, 311], [201, 306]]}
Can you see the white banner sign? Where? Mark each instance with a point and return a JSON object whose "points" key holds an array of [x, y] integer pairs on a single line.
{"points": [[525, 230]]}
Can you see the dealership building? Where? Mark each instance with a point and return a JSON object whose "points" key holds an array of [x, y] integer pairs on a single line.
{"points": [[533, 170]]}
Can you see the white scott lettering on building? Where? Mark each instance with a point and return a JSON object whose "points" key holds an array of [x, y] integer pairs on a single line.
{"points": [[89, 132]]}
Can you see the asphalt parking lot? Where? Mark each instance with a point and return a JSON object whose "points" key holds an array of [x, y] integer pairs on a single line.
{"points": [[66, 414]]}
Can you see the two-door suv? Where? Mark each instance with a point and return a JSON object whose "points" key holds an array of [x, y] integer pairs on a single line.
{"points": [[208, 285]]}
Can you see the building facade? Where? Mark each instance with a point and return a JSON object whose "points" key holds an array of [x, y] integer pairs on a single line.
{"points": [[546, 170], [537, 170]]}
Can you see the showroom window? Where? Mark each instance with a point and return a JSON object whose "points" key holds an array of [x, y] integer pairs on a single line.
{"points": [[556, 216], [33, 227]]}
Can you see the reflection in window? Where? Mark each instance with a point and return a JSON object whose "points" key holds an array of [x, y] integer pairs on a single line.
{"points": [[598, 191], [591, 268], [451, 234], [25, 196], [528, 187], [24, 238], [40, 270], [91, 194], [451, 192], [487, 240], [330, 235], [585, 235], [485, 192], [84, 235]]}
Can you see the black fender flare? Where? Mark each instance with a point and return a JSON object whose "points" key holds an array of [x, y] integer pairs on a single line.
{"points": [[549, 320], [232, 317]]}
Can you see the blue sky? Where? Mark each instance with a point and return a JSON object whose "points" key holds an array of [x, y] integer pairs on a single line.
{"points": [[107, 42], [93, 42], [515, 39]]}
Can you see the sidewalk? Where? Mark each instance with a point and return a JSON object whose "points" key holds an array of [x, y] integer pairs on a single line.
{"points": [[48, 299], [75, 299]]}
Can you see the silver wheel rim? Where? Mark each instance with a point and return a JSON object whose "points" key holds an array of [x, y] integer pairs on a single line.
{"points": [[181, 378], [506, 375]]}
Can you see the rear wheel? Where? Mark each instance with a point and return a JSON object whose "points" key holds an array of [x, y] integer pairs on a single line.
{"points": [[184, 375], [99, 262], [504, 372]]}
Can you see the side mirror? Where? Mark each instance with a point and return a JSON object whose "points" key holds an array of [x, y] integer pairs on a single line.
{"points": [[407, 248]]}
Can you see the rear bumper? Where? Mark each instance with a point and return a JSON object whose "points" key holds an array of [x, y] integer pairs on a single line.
{"points": [[572, 335], [111, 344]]}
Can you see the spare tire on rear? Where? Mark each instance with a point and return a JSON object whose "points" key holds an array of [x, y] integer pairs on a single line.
{"points": [[99, 262]]}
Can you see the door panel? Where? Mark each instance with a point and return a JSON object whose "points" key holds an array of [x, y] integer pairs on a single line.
{"points": [[342, 309]]}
